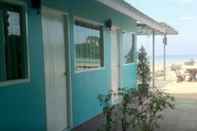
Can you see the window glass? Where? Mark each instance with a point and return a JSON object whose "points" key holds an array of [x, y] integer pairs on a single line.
{"points": [[14, 23], [13, 57], [128, 47], [88, 46]]}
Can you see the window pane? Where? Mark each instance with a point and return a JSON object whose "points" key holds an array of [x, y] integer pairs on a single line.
{"points": [[128, 48], [88, 46], [13, 57], [14, 23]]}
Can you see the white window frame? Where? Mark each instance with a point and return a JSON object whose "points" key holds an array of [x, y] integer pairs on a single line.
{"points": [[77, 18], [28, 78]]}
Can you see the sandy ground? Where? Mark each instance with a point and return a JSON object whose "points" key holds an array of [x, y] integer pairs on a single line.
{"points": [[170, 85]]}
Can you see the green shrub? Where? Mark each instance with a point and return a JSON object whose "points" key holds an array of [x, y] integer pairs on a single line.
{"points": [[139, 108]]}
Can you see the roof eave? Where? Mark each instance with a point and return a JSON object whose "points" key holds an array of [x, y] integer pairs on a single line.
{"points": [[137, 15]]}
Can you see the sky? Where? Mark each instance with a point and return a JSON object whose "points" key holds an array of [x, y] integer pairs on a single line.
{"points": [[180, 14]]}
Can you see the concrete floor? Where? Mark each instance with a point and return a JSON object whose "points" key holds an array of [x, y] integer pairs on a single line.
{"points": [[183, 118]]}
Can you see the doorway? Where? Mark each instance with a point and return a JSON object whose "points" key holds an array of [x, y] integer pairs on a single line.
{"points": [[53, 24], [115, 61]]}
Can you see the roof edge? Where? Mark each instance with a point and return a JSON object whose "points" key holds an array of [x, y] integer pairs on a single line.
{"points": [[127, 9]]}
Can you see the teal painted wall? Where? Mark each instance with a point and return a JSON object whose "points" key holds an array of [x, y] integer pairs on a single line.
{"points": [[86, 86], [22, 106], [129, 77], [92, 10]]}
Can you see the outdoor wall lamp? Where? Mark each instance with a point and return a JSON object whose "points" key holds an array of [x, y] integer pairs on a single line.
{"points": [[108, 24]]}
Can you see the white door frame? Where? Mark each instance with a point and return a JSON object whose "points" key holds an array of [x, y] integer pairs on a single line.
{"points": [[117, 31], [67, 61]]}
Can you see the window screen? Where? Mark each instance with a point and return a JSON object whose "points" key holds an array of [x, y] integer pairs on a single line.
{"points": [[88, 46], [13, 57]]}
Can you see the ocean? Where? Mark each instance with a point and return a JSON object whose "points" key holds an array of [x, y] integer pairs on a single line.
{"points": [[170, 59]]}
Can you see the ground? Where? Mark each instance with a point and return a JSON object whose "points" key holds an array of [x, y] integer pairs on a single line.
{"points": [[184, 117]]}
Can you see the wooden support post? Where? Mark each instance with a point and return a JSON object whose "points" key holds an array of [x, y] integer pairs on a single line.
{"points": [[153, 61], [164, 55]]}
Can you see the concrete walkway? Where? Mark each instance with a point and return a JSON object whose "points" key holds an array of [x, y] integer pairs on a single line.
{"points": [[184, 117]]}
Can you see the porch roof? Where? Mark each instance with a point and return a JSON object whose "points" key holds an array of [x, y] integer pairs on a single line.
{"points": [[127, 9]]}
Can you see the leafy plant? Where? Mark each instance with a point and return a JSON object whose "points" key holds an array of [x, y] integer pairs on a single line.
{"points": [[139, 108], [105, 101], [143, 72], [151, 101]]}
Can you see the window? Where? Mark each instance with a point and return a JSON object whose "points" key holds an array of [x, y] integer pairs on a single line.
{"points": [[128, 47], [88, 46], [13, 57]]}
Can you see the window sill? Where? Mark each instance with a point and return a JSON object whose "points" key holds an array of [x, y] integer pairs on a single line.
{"points": [[133, 63], [14, 82], [89, 70]]}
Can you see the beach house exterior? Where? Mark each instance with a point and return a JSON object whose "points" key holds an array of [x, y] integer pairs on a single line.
{"points": [[57, 56]]}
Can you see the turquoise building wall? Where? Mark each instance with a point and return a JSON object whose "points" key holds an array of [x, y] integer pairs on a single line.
{"points": [[129, 77], [23, 105], [86, 86]]}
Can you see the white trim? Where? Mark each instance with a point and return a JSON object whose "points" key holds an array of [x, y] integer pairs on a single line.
{"points": [[28, 79], [153, 59], [129, 64], [115, 28], [69, 72], [90, 70], [78, 18], [119, 46], [27, 44], [135, 14], [119, 55], [14, 82], [46, 9]]}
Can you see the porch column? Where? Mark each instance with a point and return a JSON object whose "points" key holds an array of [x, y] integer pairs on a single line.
{"points": [[164, 55], [153, 59]]}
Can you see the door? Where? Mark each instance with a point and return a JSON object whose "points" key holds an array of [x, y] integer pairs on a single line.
{"points": [[115, 61], [55, 68]]}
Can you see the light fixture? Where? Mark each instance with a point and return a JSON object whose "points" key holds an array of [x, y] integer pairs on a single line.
{"points": [[108, 24]]}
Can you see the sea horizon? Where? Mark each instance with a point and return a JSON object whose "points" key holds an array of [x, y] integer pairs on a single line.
{"points": [[175, 58]]}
